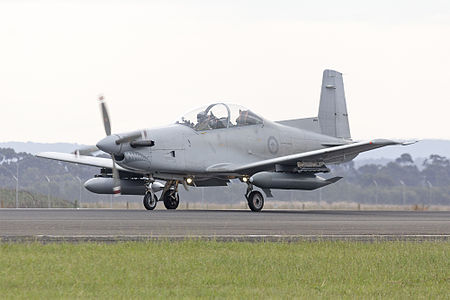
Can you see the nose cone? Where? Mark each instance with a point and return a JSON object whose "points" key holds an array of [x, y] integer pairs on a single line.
{"points": [[108, 145]]}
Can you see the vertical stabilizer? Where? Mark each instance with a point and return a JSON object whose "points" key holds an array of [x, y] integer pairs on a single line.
{"points": [[333, 117]]}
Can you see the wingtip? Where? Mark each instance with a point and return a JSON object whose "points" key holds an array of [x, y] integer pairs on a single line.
{"points": [[410, 142], [393, 142], [48, 154], [41, 154]]}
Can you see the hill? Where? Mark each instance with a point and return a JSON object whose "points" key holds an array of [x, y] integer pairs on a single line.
{"points": [[34, 148]]}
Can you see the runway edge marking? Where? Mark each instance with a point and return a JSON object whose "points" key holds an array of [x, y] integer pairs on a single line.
{"points": [[225, 238]]}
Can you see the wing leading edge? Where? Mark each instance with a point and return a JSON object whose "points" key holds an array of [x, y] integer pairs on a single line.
{"points": [[81, 159], [327, 155]]}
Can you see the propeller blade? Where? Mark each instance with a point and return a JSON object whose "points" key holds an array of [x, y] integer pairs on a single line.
{"points": [[105, 115], [185, 185], [116, 177], [86, 151], [107, 125]]}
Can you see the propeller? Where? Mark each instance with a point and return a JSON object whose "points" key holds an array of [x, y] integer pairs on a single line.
{"points": [[105, 115], [86, 151], [107, 125], [112, 144]]}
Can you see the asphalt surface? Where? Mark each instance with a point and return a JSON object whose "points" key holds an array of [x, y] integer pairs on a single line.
{"points": [[116, 225]]}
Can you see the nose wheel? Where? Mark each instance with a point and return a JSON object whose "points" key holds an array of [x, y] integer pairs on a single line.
{"points": [[150, 201]]}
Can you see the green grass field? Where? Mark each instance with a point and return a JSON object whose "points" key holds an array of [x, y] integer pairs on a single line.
{"points": [[206, 269]]}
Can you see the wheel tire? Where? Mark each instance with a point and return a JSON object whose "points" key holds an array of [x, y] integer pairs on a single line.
{"points": [[150, 203], [171, 199], [255, 201]]}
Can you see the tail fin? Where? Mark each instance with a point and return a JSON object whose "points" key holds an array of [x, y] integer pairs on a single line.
{"points": [[333, 117]]}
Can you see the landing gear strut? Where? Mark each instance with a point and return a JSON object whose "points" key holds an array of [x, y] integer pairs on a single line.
{"points": [[255, 199]]}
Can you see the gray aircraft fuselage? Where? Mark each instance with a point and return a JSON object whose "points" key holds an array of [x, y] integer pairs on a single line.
{"points": [[180, 149]]}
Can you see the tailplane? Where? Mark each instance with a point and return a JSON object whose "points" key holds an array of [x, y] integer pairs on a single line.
{"points": [[333, 116]]}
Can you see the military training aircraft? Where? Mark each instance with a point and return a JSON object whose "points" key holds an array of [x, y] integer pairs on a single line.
{"points": [[212, 145]]}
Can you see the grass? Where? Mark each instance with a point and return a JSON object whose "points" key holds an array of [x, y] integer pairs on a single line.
{"points": [[209, 269]]}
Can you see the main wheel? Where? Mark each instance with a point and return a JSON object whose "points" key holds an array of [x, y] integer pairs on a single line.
{"points": [[149, 201], [255, 201], [171, 199]]}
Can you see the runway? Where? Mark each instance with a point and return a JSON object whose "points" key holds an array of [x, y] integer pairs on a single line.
{"points": [[240, 225]]}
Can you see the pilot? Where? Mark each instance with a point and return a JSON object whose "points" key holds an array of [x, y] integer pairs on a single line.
{"points": [[241, 120], [247, 117], [202, 121]]}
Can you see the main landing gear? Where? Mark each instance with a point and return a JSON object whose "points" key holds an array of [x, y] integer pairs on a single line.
{"points": [[255, 199], [169, 196]]}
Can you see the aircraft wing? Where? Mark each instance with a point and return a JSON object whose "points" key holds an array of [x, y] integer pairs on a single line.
{"points": [[326, 155], [81, 159]]}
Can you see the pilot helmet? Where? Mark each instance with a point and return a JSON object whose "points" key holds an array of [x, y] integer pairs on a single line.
{"points": [[201, 116]]}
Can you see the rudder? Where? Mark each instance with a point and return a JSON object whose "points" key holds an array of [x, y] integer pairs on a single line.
{"points": [[333, 116]]}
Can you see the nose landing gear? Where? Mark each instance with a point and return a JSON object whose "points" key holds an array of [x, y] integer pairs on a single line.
{"points": [[150, 201], [169, 195]]}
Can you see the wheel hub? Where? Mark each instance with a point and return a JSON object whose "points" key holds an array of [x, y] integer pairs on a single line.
{"points": [[255, 201]]}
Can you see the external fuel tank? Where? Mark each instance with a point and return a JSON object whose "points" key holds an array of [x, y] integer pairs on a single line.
{"points": [[290, 181]]}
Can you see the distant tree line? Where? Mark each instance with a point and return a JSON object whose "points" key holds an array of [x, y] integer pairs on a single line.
{"points": [[435, 172], [45, 178]]}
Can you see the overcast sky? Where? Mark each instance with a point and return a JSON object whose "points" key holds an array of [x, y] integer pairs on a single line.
{"points": [[155, 60]]}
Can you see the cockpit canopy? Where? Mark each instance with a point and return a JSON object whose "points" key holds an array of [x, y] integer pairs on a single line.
{"points": [[219, 115]]}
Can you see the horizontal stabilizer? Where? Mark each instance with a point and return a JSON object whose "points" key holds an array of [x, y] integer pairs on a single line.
{"points": [[310, 124]]}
